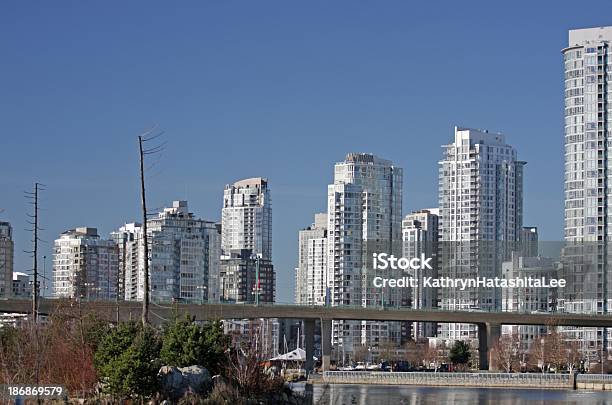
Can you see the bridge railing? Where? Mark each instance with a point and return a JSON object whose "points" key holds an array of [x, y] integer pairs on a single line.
{"points": [[596, 378], [450, 379]]}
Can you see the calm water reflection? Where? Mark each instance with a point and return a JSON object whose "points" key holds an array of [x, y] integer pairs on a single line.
{"points": [[410, 395]]}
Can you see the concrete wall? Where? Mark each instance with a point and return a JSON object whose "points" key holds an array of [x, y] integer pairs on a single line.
{"points": [[594, 382]]}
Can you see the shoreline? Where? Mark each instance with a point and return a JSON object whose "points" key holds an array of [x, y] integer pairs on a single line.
{"points": [[574, 381]]}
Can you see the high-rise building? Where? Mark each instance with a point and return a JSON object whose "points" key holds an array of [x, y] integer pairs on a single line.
{"points": [[85, 266], [181, 255], [481, 216], [184, 256], [131, 261], [588, 107], [525, 299], [588, 173], [311, 273], [6, 259], [214, 267], [247, 273], [364, 217], [528, 241], [420, 235], [247, 217], [246, 278]]}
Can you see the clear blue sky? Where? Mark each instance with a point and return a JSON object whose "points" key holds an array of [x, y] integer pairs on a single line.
{"points": [[270, 88]]}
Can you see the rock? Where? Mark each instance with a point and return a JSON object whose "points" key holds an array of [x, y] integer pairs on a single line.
{"points": [[176, 382], [218, 380]]}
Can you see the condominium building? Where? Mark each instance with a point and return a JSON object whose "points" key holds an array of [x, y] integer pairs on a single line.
{"points": [[247, 217], [588, 82], [245, 278], [131, 261], [184, 256], [6, 258], [22, 288], [247, 273], [311, 273], [420, 235], [587, 260], [364, 217], [85, 266], [525, 299], [481, 216]]}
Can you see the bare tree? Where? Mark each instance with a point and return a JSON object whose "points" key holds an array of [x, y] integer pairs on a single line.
{"points": [[414, 353], [360, 353], [506, 352], [33, 197], [554, 348], [573, 355], [537, 354], [67, 343], [434, 356], [387, 351], [142, 139]]}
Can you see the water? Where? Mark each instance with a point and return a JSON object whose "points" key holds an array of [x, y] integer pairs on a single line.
{"points": [[348, 394]]}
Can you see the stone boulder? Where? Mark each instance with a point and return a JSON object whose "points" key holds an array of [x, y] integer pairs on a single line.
{"points": [[177, 381]]}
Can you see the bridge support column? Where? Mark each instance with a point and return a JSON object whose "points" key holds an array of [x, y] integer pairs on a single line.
{"points": [[488, 334], [326, 337], [309, 329]]}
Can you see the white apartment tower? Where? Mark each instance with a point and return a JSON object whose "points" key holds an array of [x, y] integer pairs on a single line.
{"points": [[247, 217], [181, 257], [588, 174], [364, 217], [420, 235], [588, 82], [311, 273], [481, 216], [6, 259], [247, 272], [184, 256], [131, 261], [85, 266]]}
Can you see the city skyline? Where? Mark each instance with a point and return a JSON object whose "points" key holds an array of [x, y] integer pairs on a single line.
{"points": [[285, 275], [370, 93]]}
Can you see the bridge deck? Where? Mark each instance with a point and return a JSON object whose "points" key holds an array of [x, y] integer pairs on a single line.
{"points": [[131, 310]]}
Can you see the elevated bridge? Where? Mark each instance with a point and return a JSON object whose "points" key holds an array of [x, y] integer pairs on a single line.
{"points": [[489, 323]]}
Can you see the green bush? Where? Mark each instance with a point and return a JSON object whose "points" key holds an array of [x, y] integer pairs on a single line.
{"points": [[460, 353], [186, 343], [127, 360]]}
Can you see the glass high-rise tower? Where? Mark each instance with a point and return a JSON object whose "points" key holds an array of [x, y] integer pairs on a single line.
{"points": [[247, 217], [588, 170], [364, 217], [587, 65], [481, 217]]}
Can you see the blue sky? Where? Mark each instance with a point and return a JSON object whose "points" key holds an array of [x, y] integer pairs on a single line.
{"points": [[272, 88]]}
